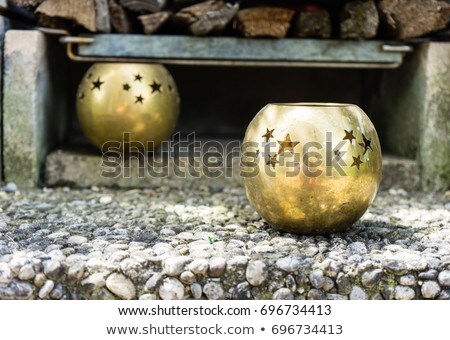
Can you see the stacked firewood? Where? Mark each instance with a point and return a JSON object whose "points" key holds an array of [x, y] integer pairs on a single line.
{"points": [[346, 19]]}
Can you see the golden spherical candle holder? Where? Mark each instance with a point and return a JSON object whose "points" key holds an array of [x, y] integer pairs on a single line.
{"points": [[138, 102], [311, 168]]}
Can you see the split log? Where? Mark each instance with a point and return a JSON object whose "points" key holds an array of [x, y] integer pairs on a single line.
{"points": [[264, 22], [359, 20], [406, 19], [120, 19], [18, 11], [176, 5], [144, 6], [28, 4], [153, 22], [312, 22], [207, 17], [91, 14], [56, 23]]}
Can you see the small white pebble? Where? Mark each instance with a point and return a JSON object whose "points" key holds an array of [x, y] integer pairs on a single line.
{"points": [[105, 200]]}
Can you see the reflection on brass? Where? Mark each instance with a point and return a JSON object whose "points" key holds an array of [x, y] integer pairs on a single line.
{"points": [[139, 99], [318, 169]]}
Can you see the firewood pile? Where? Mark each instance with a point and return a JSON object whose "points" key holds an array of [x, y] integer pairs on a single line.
{"points": [[344, 19]]}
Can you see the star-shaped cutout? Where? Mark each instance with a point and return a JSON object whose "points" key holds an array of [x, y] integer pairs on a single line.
{"points": [[82, 95], [170, 88], [338, 154], [155, 87], [272, 160], [268, 134], [126, 87], [97, 84], [357, 161], [366, 144], [139, 99], [349, 136], [287, 144], [137, 77]]}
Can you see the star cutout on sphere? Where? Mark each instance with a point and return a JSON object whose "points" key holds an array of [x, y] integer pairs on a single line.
{"points": [[349, 136], [82, 95], [170, 88], [338, 154], [366, 144], [268, 134], [357, 161], [155, 87], [97, 84], [287, 144], [139, 99], [126, 87], [272, 160], [137, 77]]}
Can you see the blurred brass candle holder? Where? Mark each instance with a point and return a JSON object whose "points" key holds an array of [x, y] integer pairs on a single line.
{"points": [[137, 100], [311, 168]]}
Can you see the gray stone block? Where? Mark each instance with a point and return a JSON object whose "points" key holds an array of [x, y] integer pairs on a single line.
{"points": [[434, 123], [34, 117], [415, 103], [4, 25]]}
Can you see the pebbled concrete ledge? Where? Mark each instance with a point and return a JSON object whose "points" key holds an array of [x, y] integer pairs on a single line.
{"points": [[201, 241]]}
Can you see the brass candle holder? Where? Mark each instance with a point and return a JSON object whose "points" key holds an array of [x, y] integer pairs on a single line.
{"points": [[140, 100], [311, 168]]}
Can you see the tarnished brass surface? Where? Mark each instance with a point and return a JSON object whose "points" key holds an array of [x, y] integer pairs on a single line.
{"points": [[139, 99], [302, 181]]}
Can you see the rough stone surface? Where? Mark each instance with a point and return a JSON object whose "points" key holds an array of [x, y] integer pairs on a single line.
{"points": [[153, 282], [415, 104], [217, 267], [317, 279], [358, 293], [407, 280], [26, 272], [4, 26], [404, 293], [430, 289], [121, 286], [404, 235], [408, 19], [53, 269], [44, 292], [33, 119], [288, 264], [174, 266], [187, 277], [371, 278], [17, 290], [359, 20], [444, 278], [199, 266], [283, 294], [213, 291], [171, 289], [256, 273], [196, 291], [5, 274], [148, 297]]}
